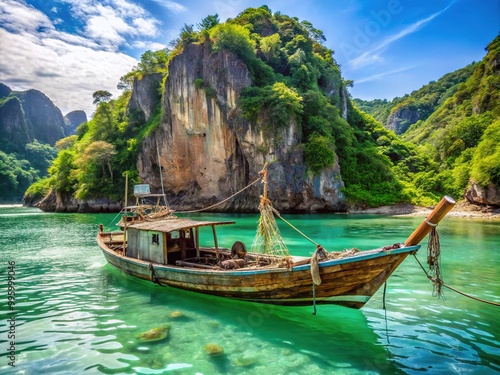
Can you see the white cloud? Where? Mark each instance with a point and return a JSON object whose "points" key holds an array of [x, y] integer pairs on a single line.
{"points": [[18, 17], [108, 28], [68, 74], [171, 5], [113, 23], [378, 76], [373, 55], [70, 67]]}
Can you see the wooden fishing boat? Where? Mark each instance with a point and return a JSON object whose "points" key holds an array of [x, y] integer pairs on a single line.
{"points": [[167, 250]]}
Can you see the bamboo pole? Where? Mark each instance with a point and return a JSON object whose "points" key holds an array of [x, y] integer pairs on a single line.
{"points": [[443, 207], [264, 180], [125, 214], [216, 242]]}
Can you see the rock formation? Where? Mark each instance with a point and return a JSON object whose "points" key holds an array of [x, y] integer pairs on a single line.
{"points": [[145, 97], [72, 120], [29, 115], [489, 195], [208, 151], [56, 202], [401, 118]]}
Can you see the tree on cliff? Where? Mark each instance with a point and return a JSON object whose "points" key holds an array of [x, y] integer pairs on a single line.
{"points": [[101, 96]]}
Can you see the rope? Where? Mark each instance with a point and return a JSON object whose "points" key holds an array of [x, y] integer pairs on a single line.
{"points": [[223, 201], [433, 256], [119, 213], [314, 300], [154, 278], [315, 269], [454, 289], [293, 227], [385, 313]]}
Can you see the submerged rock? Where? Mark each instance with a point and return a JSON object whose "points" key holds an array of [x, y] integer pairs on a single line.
{"points": [[245, 361], [154, 334], [176, 314], [213, 350]]}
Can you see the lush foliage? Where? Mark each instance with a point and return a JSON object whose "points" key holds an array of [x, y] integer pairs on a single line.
{"points": [[461, 136], [295, 80], [456, 138], [423, 101], [15, 175], [20, 169]]}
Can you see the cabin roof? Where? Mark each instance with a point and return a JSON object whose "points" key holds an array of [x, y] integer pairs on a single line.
{"points": [[168, 225]]}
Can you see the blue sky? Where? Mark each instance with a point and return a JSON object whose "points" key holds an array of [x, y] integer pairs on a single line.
{"points": [[68, 49]]}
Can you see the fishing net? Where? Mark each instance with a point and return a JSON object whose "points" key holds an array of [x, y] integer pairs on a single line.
{"points": [[268, 237], [433, 255]]}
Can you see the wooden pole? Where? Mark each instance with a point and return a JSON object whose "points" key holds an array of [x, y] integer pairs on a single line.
{"points": [[215, 242], [264, 180], [125, 214], [440, 211]]}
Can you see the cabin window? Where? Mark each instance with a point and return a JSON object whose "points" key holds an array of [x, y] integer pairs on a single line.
{"points": [[174, 234], [187, 233], [156, 239]]}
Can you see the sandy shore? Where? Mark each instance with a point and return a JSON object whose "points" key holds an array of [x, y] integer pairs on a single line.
{"points": [[461, 209]]}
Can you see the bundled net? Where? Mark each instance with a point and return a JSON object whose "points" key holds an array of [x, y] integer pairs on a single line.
{"points": [[268, 238], [433, 255]]}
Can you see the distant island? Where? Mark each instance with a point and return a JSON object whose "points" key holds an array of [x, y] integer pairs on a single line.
{"points": [[30, 125]]}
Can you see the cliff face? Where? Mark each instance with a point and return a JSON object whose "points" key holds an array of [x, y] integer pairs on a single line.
{"points": [[13, 127], [480, 195], [145, 97], [44, 120], [208, 151], [400, 119], [29, 115], [72, 120]]}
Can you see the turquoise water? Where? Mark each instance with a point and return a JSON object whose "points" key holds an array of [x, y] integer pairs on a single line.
{"points": [[74, 314]]}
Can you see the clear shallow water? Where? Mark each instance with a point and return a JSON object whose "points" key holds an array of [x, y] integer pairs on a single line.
{"points": [[75, 314]]}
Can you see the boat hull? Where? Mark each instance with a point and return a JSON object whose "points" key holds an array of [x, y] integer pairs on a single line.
{"points": [[349, 282]]}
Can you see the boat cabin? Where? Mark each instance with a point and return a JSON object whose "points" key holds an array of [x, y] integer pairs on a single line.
{"points": [[169, 240]]}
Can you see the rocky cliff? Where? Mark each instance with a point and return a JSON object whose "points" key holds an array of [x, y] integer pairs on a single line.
{"points": [[208, 151], [29, 115], [145, 97], [72, 120], [489, 195], [401, 118]]}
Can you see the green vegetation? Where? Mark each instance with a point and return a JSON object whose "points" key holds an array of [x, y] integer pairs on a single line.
{"points": [[461, 136], [18, 170], [295, 80], [423, 101], [93, 163]]}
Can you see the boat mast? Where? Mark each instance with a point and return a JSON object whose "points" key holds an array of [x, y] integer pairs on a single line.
{"points": [[264, 181], [161, 175], [125, 214]]}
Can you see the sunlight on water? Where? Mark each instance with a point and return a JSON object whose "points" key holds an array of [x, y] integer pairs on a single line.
{"points": [[75, 314]]}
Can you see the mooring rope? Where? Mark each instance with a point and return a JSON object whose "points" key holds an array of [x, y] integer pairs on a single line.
{"points": [[454, 289], [154, 278], [293, 227], [314, 300], [223, 201], [385, 313], [433, 260], [112, 221]]}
